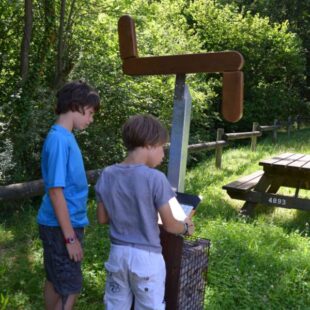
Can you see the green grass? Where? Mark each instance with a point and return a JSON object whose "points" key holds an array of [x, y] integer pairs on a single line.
{"points": [[261, 262]]}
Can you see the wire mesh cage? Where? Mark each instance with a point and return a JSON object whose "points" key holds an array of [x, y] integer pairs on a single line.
{"points": [[193, 274]]}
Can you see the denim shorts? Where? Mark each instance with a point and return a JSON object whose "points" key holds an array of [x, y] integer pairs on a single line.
{"points": [[65, 274]]}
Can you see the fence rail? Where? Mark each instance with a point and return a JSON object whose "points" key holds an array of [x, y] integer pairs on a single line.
{"points": [[241, 135], [223, 139], [207, 146], [36, 188], [268, 128]]}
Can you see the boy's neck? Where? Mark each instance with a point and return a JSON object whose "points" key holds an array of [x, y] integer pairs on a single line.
{"points": [[65, 120], [136, 156]]}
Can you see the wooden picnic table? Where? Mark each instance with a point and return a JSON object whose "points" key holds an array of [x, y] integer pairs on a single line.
{"points": [[261, 187]]}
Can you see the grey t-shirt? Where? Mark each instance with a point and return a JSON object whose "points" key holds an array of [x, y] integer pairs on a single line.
{"points": [[132, 195]]}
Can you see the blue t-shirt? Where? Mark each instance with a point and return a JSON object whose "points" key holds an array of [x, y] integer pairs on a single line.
{"points": [[132, 195], [62, 166]]}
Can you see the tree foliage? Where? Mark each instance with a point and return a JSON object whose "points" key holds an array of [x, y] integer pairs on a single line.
{"points": [[78, 40], [274, 59], [296, 13]]}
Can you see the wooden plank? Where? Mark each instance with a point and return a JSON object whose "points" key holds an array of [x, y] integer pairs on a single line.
{"points": [[282, 201], [206, 145], [297, 156], [267, 128], [271, 161], [284, 155], [181, 64], [245, 183], [35, 188], [232, 103], [172, 246], [301, 162], [127, 37], [254, 197], [241, 135], [227, 61], [283, 163], [306, 166], [289, 160], [239, 195], [251, 183]]}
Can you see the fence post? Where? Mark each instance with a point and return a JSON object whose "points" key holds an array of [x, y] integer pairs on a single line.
{"points": [[274, 132], [289, 121], [219, 148], [254, 138], [298, 121]]}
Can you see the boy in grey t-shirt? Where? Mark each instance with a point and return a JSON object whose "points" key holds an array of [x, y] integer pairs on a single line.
{"points": [[130, 195]]}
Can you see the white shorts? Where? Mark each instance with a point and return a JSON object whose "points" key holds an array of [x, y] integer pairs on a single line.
{"points": [[134, 272]]}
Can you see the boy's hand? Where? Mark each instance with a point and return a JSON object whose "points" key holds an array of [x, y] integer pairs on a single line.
{"points": [[191, 226], [75, 251]]}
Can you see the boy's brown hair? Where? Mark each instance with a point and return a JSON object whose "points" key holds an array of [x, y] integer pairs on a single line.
{"points": [[75, 96], [143, 130]]}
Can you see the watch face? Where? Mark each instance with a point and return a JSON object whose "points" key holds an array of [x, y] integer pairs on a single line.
{"points": [[70, 240]]}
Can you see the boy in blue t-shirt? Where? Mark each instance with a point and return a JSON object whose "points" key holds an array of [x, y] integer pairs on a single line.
{"points": [[62, 215], [130, 195]]}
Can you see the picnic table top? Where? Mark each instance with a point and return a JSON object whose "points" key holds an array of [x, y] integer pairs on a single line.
{"points": [[287, 161]]}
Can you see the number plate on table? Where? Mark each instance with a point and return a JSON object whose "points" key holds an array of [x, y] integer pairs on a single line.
{"points": [[277, 201]]}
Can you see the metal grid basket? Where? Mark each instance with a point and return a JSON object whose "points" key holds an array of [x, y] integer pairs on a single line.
{"points": [[193, 274]]}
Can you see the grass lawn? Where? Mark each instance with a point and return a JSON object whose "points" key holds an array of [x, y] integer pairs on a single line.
{"points": [[261, 262]]}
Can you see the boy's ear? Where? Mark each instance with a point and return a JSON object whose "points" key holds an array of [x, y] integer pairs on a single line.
{"points": [[82, 110]]}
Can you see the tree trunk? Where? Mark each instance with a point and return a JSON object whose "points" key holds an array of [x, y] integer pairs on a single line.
{"points": [[60, 48], [24, 57], [48, 41]]}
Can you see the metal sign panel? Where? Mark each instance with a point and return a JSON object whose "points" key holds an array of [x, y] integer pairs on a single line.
{"points": [[179, 134]]}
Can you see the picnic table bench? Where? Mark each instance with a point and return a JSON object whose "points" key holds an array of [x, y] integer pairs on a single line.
{"points": [[285, 170]]}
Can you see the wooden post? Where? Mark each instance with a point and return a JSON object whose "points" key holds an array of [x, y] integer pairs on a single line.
{"points": [[274, 132], [172, 252], [219, 148], [289, 121], [254, 138], [229, 63], [298, 121], [232, 104]]}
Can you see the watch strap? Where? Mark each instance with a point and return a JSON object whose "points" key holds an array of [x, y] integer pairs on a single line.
{"points": [[70, 240], [185, 232]]}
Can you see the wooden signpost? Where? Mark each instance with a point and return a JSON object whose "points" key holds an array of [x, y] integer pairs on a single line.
{"points": [[229, 63]]}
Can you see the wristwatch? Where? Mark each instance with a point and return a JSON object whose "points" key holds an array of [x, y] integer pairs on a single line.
{"points": [[185, 232], [70, 240]]}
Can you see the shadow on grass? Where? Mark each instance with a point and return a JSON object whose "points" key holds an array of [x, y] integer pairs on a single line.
{"points": [[299, 222]]}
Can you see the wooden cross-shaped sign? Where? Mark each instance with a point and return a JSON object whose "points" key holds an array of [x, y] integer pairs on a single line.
{"points": [[229, 63]]}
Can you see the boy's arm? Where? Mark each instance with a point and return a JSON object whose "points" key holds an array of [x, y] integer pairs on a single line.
{"points": [[102, 215], [172, 225], [75, 250]]}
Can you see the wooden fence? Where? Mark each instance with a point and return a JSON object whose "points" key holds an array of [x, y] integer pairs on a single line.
{"points": [[223, 139], [36, 188]]}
